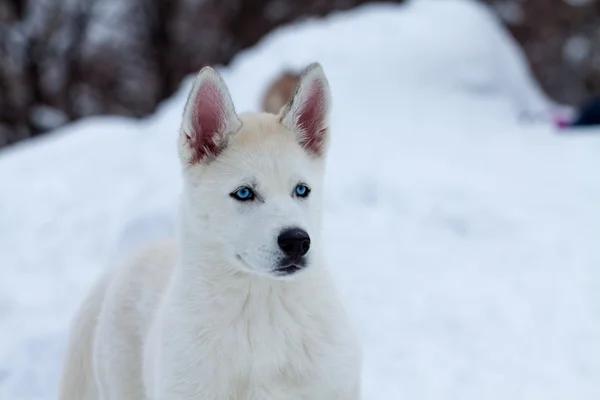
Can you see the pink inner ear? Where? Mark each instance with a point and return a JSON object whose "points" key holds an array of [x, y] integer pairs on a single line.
{"points": [[207, 122], [311, 116]]}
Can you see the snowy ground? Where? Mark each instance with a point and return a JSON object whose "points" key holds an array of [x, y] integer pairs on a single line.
{"points": [[466, 243]]}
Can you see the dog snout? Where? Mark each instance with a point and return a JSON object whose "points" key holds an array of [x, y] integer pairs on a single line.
{"points": [[294, 242]]}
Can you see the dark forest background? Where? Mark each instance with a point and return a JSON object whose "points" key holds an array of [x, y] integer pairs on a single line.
{"points": [[61, 60]]}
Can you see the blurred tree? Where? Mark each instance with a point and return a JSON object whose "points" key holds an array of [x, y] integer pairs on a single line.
{"points": [[41, 48], [561, 39], [61, 60]]}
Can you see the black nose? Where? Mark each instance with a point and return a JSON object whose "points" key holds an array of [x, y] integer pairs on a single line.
{"points": [[294, 242]]}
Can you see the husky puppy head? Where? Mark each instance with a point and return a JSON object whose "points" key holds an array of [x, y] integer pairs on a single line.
{"points": [[253, 182]]}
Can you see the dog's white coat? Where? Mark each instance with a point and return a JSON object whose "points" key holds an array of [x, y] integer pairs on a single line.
{"points": [[203, 317]]}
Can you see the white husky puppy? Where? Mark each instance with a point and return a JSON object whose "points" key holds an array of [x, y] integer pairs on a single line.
{"points": [[241, 306]]}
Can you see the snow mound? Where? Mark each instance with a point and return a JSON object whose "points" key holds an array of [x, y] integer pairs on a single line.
{"points": [[464, 243]]}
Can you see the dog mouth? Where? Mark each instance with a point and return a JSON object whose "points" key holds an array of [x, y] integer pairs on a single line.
{"points": [[286, 266], [289, 270], [289, 267]]}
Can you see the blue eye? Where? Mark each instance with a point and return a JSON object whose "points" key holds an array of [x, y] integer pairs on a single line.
{"points": [[302, 191], [243, 194]]}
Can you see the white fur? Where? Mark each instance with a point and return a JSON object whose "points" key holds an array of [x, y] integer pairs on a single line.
{"points": [[204, 317]]}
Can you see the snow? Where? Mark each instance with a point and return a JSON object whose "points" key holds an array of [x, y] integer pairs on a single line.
{"points": [[510, 11], [465, 243], [48, 117], [576, 49], [578, 3]]}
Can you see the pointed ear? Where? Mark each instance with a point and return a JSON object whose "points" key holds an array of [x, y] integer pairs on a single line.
{"points": [[307, 113], [209, 119]]}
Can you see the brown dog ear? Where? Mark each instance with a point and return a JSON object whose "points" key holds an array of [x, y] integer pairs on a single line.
{"points": [[307, 113], [209, 118]]}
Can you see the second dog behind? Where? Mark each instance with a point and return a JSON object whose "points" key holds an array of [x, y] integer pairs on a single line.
{"points": [[279, 92]]}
